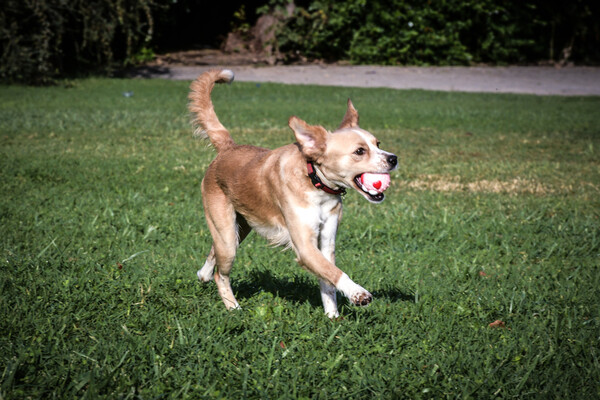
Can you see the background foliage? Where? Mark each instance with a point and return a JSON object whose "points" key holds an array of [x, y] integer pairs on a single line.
{"points": [[442, 32], [44, 39]]}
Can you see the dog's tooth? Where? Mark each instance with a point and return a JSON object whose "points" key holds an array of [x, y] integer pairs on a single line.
{"points": [[373, 192]]}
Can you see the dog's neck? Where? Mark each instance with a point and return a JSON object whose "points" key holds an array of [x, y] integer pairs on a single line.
{"points": [[321, 182]]}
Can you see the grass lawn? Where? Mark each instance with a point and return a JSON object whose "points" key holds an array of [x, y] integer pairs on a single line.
{"points": [[493, 215]]}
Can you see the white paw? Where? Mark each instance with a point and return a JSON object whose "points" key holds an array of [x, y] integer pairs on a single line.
{"points": [[235, 307], [362, 298], [329, 300], [205, 275], [355, 293]]}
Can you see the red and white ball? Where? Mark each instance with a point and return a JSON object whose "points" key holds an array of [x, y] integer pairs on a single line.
{"points": [[375, 182]]}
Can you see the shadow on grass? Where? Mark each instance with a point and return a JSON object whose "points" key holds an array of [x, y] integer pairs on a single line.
{"points": [[301, 289], [393, 295]]}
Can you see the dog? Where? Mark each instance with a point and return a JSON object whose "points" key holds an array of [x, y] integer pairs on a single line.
{"points": [[291, 195]]}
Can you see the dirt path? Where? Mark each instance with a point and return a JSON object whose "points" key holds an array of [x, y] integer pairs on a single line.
{"points": [[569, 81]]}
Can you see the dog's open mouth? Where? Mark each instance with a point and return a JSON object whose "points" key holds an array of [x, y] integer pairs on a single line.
{"points": [[373, 185]]}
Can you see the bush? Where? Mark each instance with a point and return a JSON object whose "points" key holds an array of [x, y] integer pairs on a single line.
{"points": [[440, 32], [43, 39]]}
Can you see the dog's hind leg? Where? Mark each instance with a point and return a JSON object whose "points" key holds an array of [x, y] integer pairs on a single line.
{"points": [[206, 273], [225, 241], [227, 229]]}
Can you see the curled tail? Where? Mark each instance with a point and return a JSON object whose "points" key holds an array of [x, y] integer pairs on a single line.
{"points": [[206, 122]]}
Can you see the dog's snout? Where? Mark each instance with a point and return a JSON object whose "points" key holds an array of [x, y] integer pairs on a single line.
{"points": [[392, 160]]}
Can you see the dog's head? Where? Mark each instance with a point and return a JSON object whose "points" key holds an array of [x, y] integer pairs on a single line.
{"points": [[348, 157]]}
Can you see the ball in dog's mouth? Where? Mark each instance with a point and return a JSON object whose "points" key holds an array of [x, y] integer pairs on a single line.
{"points": [[373, 185]]}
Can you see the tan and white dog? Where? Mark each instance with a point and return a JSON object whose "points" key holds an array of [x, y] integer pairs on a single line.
{"points": [[290, 195]]}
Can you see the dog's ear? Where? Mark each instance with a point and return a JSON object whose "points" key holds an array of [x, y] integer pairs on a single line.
{"points": [[351, 118], [311, 138]]}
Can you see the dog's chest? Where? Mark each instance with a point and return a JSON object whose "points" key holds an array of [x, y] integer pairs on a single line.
{"points": [[323, 210], [320, 214]]}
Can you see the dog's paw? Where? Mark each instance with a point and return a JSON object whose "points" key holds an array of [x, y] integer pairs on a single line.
{"points": [[355, 293], [362, 299], [205, 275], [234, 307]]}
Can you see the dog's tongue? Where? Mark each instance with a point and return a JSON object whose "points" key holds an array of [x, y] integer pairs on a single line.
{"points": [[376, 182]]}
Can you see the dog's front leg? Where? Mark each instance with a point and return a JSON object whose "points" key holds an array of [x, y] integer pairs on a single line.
{"points": [[304, 240], [328, 298], [332, 276], [327, 246]]}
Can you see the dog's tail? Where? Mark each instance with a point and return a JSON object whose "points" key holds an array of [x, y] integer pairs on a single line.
{"points": [[205, 121]]}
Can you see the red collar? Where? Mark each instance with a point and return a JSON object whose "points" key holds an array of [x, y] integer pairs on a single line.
{"points": [[312, 174]]}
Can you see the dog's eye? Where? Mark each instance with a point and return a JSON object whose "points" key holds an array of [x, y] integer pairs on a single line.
{"points": [[360, 151], [378, 143]]}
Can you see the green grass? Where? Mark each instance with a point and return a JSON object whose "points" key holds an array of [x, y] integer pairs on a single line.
{"points": [[492, 215]]}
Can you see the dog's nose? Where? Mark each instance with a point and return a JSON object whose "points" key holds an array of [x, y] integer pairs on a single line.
{"points": [[392, 160]]}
